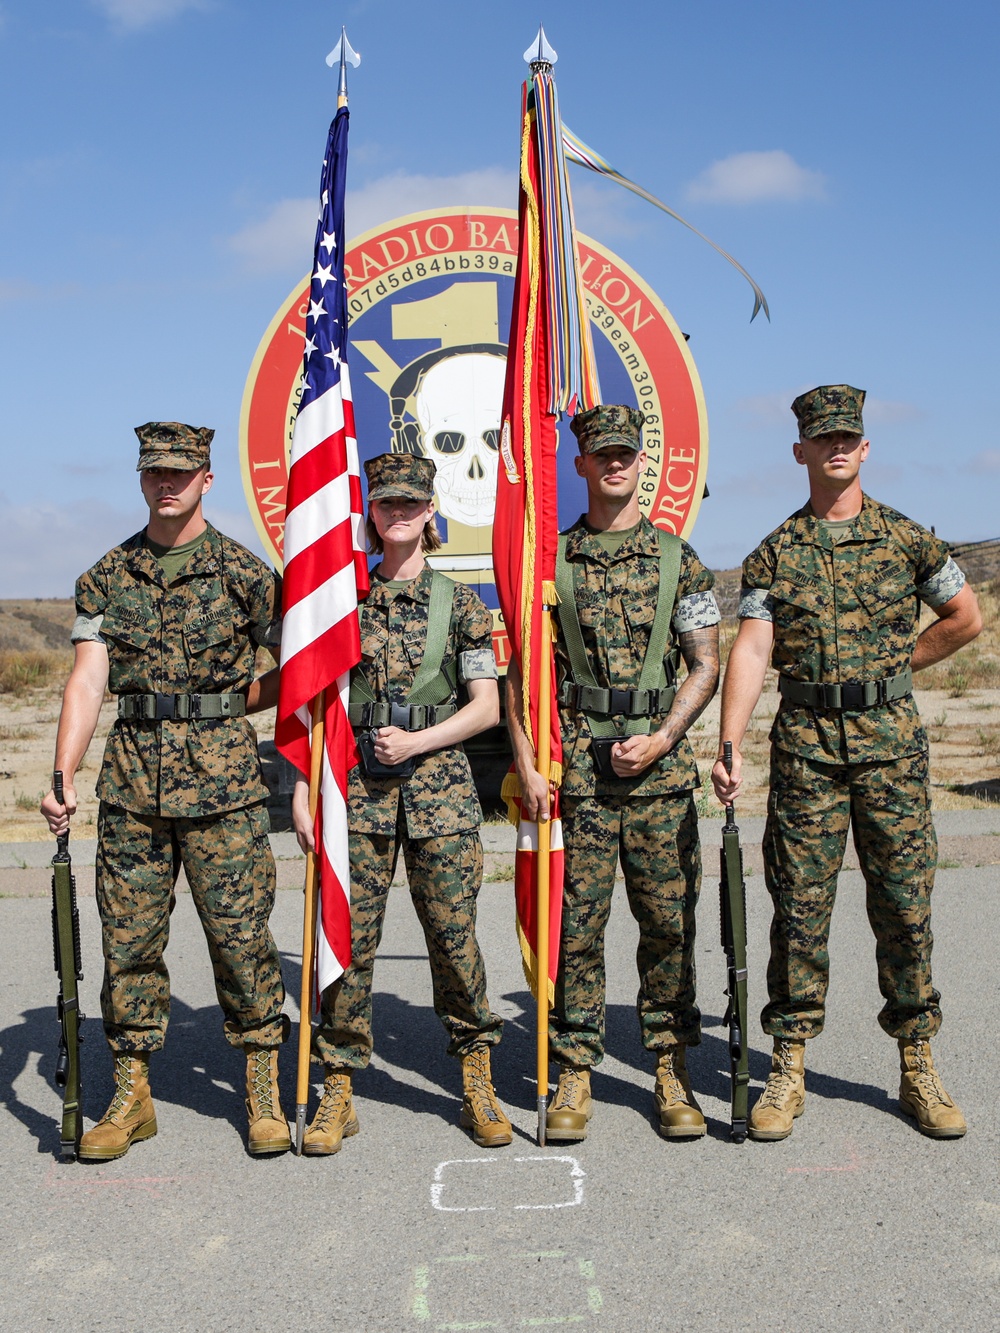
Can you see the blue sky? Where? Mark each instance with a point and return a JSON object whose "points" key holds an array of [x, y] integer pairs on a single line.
{"points": [[157, 186]]}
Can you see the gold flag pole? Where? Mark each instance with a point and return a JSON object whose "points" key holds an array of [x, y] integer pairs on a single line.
{"points": [[543, 764], [309, 928]]}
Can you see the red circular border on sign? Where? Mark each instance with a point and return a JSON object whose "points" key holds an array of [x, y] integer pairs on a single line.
{"points": [[622, 307]]}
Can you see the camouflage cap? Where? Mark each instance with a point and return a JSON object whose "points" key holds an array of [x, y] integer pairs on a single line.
{"points": [[172, 444], [409, 475], [829, 408], [607, 425]]}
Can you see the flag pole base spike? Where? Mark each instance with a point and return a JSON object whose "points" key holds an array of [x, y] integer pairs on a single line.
{"points": [[300, 1127], [542, 1107]]}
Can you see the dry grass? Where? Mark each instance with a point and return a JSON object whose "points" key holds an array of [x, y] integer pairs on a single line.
{"points": [[21, 671], [976, 667]]}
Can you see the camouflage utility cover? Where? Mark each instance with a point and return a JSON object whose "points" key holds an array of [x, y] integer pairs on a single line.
{"points": [[440, 797], [616, 603], [174, 445], [400, 474], [199, 635], [605, 426], [830, 408], [847, 611]]}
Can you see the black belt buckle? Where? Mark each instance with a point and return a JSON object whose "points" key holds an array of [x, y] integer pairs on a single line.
{"points": [[399, 716], [163, 707], [622, 701], [857, 695]]}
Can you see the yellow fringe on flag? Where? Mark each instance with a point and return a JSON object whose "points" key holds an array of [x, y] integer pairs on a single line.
{"points": [[530, 965]]}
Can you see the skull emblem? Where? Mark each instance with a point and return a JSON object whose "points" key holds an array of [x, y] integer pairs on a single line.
{"points": [[457, 404]]}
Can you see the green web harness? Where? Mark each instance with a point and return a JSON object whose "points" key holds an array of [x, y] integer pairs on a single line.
{"points": [[655, 693]]}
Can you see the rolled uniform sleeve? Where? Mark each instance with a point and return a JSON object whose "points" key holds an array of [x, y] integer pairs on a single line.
{"points": [[87, 629], [941, 587], [756, 602], [696, 607]]}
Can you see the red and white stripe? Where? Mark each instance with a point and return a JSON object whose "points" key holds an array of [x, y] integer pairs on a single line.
{"points": [[326, 572]]}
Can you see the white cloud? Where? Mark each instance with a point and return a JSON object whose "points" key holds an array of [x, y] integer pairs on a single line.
{"points": [[141, 13], [283, 238], [986, 463], [43, 547], [280, 240], [766, 411], [749, 178], [18, 289]]}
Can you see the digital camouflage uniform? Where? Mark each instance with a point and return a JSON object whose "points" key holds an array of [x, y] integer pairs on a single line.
{"points": [[848, 611], [185, 793], [434, 817], [648, 821]]}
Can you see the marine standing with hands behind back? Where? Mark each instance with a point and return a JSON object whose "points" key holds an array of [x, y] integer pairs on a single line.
{"points": [[426, 682], [171, 621], [632, 600], [832, 597]]}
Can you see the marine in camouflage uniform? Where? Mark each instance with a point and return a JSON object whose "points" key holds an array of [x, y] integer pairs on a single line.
{"points": [[431, 815], [841, 598], [646, 819], [177, 627]]}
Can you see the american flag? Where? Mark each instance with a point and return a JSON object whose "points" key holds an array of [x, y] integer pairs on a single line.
{"points": [[326, 570]]}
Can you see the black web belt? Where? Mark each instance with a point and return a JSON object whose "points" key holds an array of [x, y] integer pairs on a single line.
{"points": [[179, 707], [852, 696], [408, 717], [617, 703]]}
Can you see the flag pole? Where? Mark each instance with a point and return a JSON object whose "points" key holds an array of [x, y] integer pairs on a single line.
{"points": [[309, 928], [543, 764]]}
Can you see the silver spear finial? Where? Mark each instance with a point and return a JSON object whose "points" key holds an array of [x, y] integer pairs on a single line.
{"points": [[540, 55], [342, 53]]}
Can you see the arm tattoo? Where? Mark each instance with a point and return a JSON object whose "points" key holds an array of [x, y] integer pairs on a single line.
{"points": [[700, 650]]}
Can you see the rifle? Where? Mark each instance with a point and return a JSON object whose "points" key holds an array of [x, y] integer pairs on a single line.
{"points": [[733, 908], [66, 946]]}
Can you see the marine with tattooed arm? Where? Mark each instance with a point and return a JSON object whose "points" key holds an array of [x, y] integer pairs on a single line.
{"points": [[632, 601]]}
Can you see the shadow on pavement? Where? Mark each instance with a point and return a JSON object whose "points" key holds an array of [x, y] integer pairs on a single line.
{"points": [[188, 1072]]}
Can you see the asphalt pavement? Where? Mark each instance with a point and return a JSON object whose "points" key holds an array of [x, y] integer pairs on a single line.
{"points": [[854, 1221]]}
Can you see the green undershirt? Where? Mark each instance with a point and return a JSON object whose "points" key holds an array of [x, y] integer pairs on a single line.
{"points": [[837, 528], [612, 541], [172, 559]]}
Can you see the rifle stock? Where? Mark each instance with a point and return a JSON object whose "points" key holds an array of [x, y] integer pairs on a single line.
{"points": [[68, 965], [733, 912]]}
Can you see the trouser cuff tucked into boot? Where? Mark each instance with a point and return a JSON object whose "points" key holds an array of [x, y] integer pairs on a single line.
{"points": [[334, 1121], [680, 1115], [571, 1109], [922, 1094], [784, 1095], [131, 1116], [481, 1112], [268, 1131]]}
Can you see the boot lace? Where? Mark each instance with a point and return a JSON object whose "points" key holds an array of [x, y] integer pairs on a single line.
{"points": [[572, 1086], [123, 1086], [927, 1078], [478, 1086], [260, 1084], [669, 1080], [780, 1081], [336, 1091]]}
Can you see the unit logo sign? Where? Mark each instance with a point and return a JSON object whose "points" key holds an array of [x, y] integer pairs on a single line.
{"points": [[429, 300]]}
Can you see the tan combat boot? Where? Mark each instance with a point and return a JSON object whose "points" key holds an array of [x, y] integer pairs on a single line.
{"points": [[680, 1115], [784, 1095], [335, 1120], [131, 1115], [481, 1112], [268, 1128], [571, 1108], [922, 1094]]}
